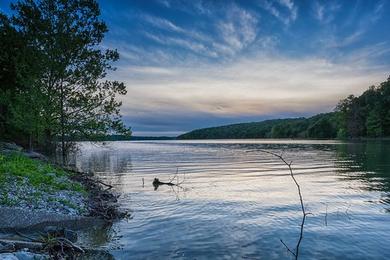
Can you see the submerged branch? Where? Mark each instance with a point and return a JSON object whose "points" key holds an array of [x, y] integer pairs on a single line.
{"points": [[304, 213], [157, 182]]}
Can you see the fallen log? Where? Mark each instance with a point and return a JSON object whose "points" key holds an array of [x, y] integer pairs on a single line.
{"points": [[20, 244]]}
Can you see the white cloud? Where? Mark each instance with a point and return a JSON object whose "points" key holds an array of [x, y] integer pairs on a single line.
{"points": [[284, 10], [338, 42], [196, 47], [238, 29], [235, 29], [291, 7], [162, 23], [334, 36], [259, 85], [325, 13]]}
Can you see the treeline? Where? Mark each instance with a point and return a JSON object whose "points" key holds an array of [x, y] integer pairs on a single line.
{"points": [[52, 75], [319, 126], [365, 116], [126, 138]]}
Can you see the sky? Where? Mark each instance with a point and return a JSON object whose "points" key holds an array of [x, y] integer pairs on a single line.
{"points": [[194, 64]]}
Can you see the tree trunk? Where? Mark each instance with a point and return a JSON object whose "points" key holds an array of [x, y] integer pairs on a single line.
{"points": [[63, 149], [30, 148]]}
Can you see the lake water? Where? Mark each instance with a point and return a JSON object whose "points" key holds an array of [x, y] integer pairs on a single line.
{"points": [[239, 202]]}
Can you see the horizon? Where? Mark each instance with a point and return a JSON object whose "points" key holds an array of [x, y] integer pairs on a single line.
{"points": [[209, 63]]}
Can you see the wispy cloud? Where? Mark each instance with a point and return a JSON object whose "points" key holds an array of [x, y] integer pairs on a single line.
{"points": [[358, 25], [163, 23], [191, 45], [325, 13], [253, 86], [284, 10], [291, 7], [338, 42], [239, 29], [235, 29]]}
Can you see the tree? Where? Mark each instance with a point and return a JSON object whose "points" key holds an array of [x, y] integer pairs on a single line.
{"points": [[18, 70], [352, 116], [322, 128], [373, 124], [77, 100], [386, 124]]}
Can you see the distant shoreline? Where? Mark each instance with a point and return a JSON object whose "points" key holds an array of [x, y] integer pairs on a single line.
{"points": [[151, 138]]}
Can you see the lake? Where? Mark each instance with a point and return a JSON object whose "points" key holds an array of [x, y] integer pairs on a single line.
{"points": [[235, 201]]}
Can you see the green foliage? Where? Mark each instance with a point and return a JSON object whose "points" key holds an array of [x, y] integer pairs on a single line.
{"points": [[17, 100], [367, 115], [341, 133], [245, 130], [37, 173], [319, 126], [373, 124], [322, 128], [54, 74]]}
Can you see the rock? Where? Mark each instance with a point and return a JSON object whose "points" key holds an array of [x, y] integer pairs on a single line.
{"points": [[20, 219], [8, 256], [4, 248], [10, 147], [35, 155], [24, 255]]}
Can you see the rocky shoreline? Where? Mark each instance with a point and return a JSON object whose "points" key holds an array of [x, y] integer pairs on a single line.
{"points": [[65, 199]]}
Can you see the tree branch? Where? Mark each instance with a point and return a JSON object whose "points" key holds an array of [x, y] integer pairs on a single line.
{"points": [[304, 214]]}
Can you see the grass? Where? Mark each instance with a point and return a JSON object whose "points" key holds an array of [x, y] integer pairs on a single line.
{"points": [[6, 200], [39, 174]]}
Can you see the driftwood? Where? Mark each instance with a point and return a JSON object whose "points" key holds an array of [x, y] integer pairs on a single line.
{"points": [[57, 247], [20, 244], [54, 243], [103, 203], [156, 182]]}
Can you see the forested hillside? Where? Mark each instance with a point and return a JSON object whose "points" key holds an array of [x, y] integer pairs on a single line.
{"points": [[319, 126], [365, 116]]}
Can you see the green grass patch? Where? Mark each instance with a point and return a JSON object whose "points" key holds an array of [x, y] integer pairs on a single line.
{"points": [[39, 174]]}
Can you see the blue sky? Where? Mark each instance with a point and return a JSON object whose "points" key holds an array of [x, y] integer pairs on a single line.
{"points": [[192, 64]]}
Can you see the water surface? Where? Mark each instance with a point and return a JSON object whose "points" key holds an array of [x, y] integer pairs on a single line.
{"points": [[238, 202]]}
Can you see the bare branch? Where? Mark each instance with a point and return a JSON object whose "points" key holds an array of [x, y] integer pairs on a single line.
{"points": [[304, 214], [288, 249]]}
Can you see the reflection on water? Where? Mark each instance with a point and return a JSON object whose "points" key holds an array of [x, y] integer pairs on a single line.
{"points": [[368, 162], [238, 202], [100, 157]]}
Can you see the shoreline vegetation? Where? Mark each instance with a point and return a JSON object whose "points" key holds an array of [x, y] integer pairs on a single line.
{"points": [[54, 92], [365, 116], [53, 195]]}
